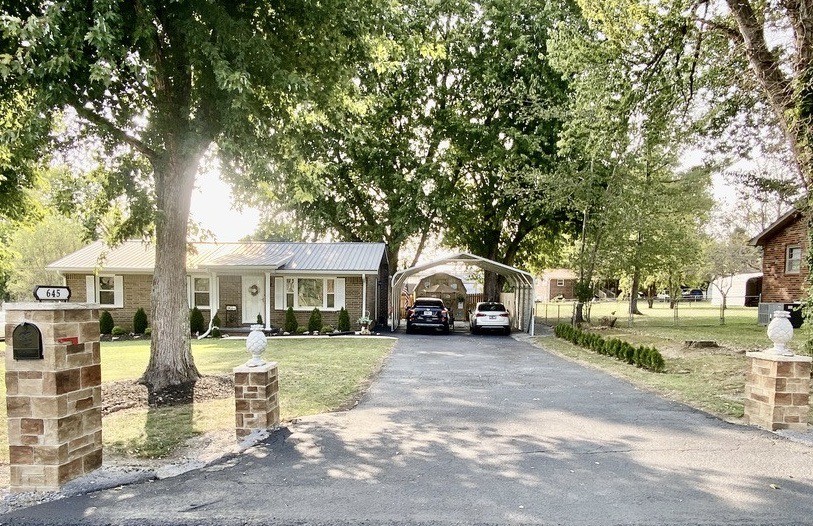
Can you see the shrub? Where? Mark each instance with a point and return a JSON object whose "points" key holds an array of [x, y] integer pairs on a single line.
{"points": [[216, 332], [290, 325], [260, 319], [645, 357], [326, 329], [148, 331], [118, 331], [301, 330], [196, 322], [216, 321], [344, 320], [140, 321], [106, 323], [315, 321]]}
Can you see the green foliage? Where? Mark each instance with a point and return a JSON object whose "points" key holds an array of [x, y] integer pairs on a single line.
{"points": [[216, 333], [315, 321], [34, 245], [197, 324], [106, 322], [259, 319], [301, 330], [644, 357], [140, 321], [290, 325], [216, 321], [344, 320], [118, 331], [148, 331], [327, 329]]}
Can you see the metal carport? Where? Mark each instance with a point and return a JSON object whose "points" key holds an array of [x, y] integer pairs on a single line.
{"points": [[522, 281]]}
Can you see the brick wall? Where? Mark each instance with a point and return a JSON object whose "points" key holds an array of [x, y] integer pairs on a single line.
{"points": [[777, 285], [568, 290], [137, 290]]}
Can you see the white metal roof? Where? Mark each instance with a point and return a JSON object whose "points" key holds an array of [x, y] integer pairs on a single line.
{"points": [[136, 256]]}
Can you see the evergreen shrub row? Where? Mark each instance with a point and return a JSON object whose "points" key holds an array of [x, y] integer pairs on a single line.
{"points": [[646, 357]]}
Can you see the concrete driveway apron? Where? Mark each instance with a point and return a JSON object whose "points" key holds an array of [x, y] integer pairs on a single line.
{"points": [[466, 429]]}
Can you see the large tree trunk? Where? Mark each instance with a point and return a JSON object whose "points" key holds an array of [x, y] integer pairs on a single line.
{"points": [[636, 284], [491, 291], [171, 373]]}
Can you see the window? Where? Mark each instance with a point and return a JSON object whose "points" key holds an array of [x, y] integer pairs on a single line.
{"points": [[310, 293], [793, 260], [200, 292], [560, 283], [106, 288], [330, 293]]}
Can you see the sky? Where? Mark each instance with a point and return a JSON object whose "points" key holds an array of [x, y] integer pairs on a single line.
{"points": [[212, 208]]}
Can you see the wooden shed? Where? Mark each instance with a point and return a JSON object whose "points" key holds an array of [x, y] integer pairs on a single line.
{"points": [[446, 287]]}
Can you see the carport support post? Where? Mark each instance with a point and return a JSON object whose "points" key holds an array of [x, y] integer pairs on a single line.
{"points": [[777, 391]]}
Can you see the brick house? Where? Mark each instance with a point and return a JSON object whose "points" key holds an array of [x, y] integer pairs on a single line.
{"points": [[555, 283], [784, 263], [238, 281]]}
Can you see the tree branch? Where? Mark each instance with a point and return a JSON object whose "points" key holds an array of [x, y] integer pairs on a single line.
{"points": [[106, 125]]}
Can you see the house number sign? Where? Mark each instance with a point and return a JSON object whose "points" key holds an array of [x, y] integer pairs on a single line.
{"points": [[52, 293]]}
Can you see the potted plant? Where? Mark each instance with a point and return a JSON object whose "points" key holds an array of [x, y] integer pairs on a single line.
{"points": [[364, 322]]}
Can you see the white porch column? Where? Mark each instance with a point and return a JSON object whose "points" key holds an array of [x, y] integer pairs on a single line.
{"points": [[214, 294], [267, 317], [364, 294]]}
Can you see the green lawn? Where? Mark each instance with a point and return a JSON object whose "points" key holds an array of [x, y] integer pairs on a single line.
{"points": [[316, 375], [694, 321], [711, 379]]}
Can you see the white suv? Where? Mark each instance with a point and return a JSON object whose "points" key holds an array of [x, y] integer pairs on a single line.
{"points": [[490, 315]]}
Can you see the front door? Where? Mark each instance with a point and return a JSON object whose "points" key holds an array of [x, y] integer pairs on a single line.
{"points": [[253, 298]]}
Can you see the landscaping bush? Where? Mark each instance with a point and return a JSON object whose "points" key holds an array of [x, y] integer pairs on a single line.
{"points": [[118, 331], [148, 331], [301, 330], [196, 322], [216, 321], [344, 320], [106, 323], [644, 357], [140, 321], [315, 321], [326, 329], [260, 319], [290, 325]]}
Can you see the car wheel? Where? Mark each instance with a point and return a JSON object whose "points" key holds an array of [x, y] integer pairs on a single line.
{"points": [[507, 331], [446, 329], [472, 329], [408, 328]]}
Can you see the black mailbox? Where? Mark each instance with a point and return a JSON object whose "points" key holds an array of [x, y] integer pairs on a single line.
{"points": [[27, 341]]}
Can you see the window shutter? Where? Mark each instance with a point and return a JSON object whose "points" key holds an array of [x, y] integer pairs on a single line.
{"points": [[279, 293], [339, 293], [90, 289], [118, 291]]}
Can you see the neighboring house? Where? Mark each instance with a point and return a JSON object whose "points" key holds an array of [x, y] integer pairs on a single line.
{"points": [[239, 281], [741, 290], [784, 265], [556, 283], [450, 289]]}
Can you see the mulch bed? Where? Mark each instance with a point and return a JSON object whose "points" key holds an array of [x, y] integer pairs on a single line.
{"points": [[127, 394]]}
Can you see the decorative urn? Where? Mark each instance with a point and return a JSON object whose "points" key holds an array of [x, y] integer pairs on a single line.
{"points": [[780, 332], [256, 345]]}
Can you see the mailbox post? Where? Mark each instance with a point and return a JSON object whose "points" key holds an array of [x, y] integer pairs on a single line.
{"points": [[53, 393]]}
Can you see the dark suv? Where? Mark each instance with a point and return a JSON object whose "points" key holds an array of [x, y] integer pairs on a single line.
{"points": [[429, 313]]}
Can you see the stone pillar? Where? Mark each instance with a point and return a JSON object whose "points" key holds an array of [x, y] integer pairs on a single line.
{"points": [[54, 403], [777, 391], [256, 398]]}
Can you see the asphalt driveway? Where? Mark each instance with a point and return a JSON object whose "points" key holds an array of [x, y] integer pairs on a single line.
{"points": [[466, 429]]}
